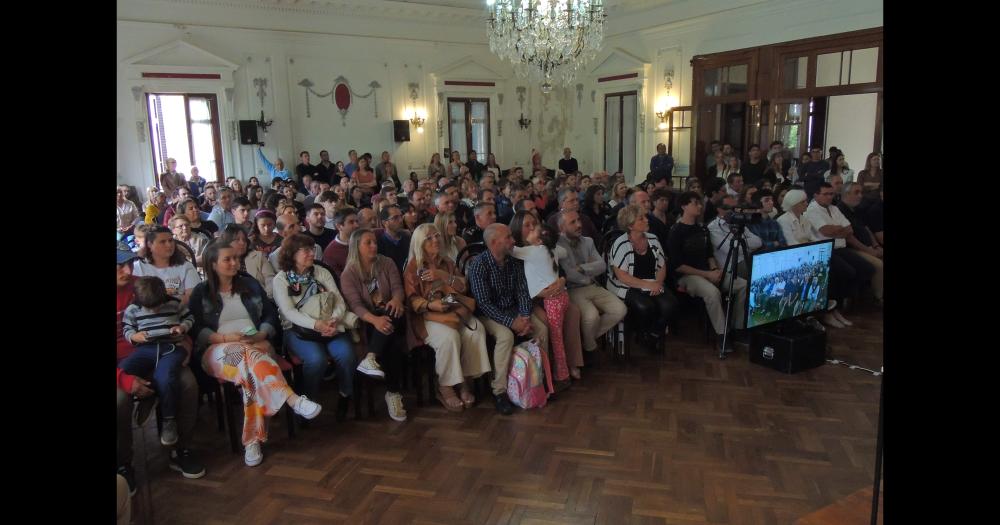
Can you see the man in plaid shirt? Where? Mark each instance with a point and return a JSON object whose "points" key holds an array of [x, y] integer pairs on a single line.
{"points": [[503, 305], [768, 229]]}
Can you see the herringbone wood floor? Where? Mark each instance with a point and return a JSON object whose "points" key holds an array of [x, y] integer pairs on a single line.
{"points": [[678, 438]]}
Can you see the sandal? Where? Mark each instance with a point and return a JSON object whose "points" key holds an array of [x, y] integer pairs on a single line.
{"points": [[466, 394], [451, 402]]}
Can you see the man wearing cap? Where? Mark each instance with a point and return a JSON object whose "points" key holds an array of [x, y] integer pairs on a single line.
{"points": [[182, 459]]}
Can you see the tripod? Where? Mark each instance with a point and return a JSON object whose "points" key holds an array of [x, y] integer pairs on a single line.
{"points": [[737, 244]]}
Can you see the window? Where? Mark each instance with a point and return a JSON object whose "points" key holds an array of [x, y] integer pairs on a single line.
{"points": [[858, 66], [722, 81], [793, 73], [469, 126], [619, 133], [185, 127]]}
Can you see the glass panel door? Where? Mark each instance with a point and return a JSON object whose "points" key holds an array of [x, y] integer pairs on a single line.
{"points": [[787, 124], [612, 133], [480, 130], [628, 139], [456, 117], [203, 136]]}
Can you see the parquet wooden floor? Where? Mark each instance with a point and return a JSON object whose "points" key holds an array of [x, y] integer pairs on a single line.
{"points": [[681, 438]]}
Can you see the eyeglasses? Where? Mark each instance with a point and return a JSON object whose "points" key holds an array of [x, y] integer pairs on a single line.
{"points": [[395, 217], [435, 235]]}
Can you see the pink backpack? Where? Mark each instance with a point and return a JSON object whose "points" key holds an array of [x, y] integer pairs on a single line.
{"points": [[528, 376]]}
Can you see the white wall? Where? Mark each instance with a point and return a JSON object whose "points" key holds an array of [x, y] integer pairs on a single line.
{"points": [[286, 43], [850, 125]]}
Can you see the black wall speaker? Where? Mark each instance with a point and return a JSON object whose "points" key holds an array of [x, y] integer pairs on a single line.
{"points": [[401, 130], [248, 132]]}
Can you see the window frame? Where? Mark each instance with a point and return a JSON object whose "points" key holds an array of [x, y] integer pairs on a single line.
{"points": [[468, 127]]}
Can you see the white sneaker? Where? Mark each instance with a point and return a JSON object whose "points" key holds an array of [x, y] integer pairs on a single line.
{"points": [[306, 408], [831, 320], [394, 401], [840, 317], [253, 455], [369, 366]]}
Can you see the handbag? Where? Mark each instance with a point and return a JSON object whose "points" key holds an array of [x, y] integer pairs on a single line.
{"points": [[320, 306]]}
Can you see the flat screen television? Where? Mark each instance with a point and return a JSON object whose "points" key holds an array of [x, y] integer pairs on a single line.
{"points": [[788, 282]]}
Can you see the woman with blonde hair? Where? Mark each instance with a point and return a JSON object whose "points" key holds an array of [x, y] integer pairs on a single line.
{"points": [[373, 289], [435, 169], [451, 241], [618, 194], [447, 326]]}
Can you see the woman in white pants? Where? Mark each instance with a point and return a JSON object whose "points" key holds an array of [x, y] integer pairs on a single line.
{"points": [[458, 338]]}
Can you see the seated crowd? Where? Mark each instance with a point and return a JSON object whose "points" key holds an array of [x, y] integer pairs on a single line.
{"points": [[347, 267]]}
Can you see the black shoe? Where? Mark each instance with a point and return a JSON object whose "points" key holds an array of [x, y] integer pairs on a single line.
{"points": [[143, 408], [342, 405], [561, 386], [330, 373], [503, 404], [127, 473], [185, 462]]}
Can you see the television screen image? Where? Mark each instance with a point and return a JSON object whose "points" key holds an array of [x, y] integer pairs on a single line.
{"points": [[788, 283]]}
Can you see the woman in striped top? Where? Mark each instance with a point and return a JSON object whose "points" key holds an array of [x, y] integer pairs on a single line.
{"points": [[637, 270]]}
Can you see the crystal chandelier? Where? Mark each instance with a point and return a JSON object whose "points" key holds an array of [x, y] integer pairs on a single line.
{"points": [[546, 40]]}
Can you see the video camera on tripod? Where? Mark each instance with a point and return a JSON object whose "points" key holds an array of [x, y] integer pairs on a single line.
{"points": [[742, 215]]}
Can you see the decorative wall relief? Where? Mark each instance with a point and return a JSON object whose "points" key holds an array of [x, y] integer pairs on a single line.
{"points": [[579, 95], [500, 98], [520, 96], [499, 128], [595, 125], [341, 95], [593, 96], [261, 85]]}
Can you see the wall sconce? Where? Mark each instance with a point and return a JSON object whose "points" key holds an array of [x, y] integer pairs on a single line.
{"points": [[523, 122], [662, 116], [264, 124], [418, 122]]}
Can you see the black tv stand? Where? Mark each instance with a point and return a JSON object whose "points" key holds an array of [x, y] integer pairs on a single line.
{"points": [[788, 346]]}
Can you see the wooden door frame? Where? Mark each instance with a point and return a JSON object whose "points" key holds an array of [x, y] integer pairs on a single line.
{"points": [[621, 125]]}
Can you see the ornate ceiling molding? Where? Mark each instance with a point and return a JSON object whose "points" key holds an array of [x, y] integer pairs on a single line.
{"points": [[361, 8]]}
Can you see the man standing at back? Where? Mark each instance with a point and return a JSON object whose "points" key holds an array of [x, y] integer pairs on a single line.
{"points": [[353, 165], [475, 167], [171, 179], [325, 169], [304, 168], [753, 169], [503, 305], [568, 164], [662, 162]]}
